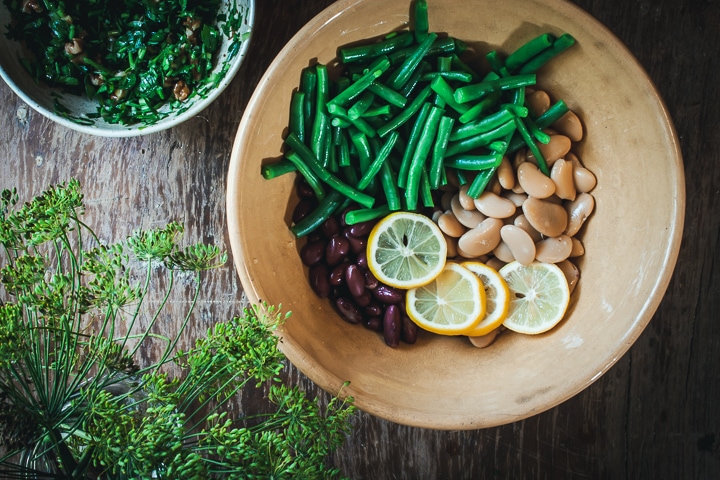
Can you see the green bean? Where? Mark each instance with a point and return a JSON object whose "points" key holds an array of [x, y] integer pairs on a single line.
{"points": [[480, 126], [475, 91], [362, 104], [317, 217], [376, 69], [312, 180], [457, 63], [467, 144], [530, 142], [412, 142], [377, 111], [480, 181], [362, 148], [377, 164], [320, 125], [528, 51], [422, 24], [426, 189], [480, 107], [366, 214], [297, 114], [473, 162], [340, 114], [272, 170], [308, 85], [406, 113], [364, 53], [420, 155], [563, 42], [414, 81], [388, 94], [552, 114], [440, 46], [536, 132], [445, 91], [400, 76], [437, 169], [449, 75], [388, 181], [344, 154], [496, 64]]}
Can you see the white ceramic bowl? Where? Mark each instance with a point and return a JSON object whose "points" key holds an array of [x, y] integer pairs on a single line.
{"points": [[42, 98], [631, 241]]}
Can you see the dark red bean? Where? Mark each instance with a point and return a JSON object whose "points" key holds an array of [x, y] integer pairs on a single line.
{"points": [[337, 274], [370, 281], [373, 323], [319, 281], [392, 326], [355, 280], [387, 294], [343, 223], [337, 249], [374, 309], [348, 310], [361, 259], [409, 331], [304, 190], [363, 300], [330, 227], [312, 252], [303, 209], [315, 236], [362, 229], [357, 245]]}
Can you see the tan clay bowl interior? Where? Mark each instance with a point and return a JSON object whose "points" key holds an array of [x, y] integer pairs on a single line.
{"points": [[631, 241]]}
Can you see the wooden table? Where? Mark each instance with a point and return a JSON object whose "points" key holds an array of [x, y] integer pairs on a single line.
{"points": [[655, 414]]}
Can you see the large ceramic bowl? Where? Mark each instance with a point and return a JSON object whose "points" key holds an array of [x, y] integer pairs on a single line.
{"points": [[631, 242], [41, 98]]}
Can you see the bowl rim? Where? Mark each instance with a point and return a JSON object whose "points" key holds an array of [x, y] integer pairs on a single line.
{"points": [[329, 382], [123, 131]]}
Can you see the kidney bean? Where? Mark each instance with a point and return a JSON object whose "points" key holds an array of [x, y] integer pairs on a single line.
{"points": [[312, 252], [337, 274], [348, 310], [392, 326], [374, 309], [373, 323], [357, 245], [319, 281], [330, 227], [387, 294], [303, 190], [364, 299], [303, 209], [370, 281], [409, 331], [355, 280], [361, 259], [361, 229], [337, 248]]}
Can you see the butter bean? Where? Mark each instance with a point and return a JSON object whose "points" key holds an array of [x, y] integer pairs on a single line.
{"points": [[522, 222], [468, 218], [570, 126], [451, 242], [481, 239], [486, 340], [578, 249], [584, 179], [450, 225], [517, 198], [506, 174], [547, 218], [519, 242], [494, 262], [503, 252], [538, 102], [572, 273], [578, 211], [494, 186], [556, 148], [562, 176], [493, 205], [534, 182], [436, 214], [467, 202], [553, 250]]}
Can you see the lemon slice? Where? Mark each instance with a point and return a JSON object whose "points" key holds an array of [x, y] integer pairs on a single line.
{"points": [[452, 304], [539, 296], [406, 250], [497, 296]]}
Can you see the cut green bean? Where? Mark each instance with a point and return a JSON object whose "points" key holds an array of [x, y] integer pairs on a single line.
{"points": [[426, 190], [444, 45], [341, 115], [422, 24], [383, 110], [361, 105], [454, 76], [388, 94], [414, 81], [412, 142], [365, 53], [310, 177], [406, 113], [552, 114], [445, 91], [366, 214], [480, 126], [374, 167], [473, 162], [375, 70], [468, 144], [475, 91], [317, 217], [344, 152], [401, 75], [320, 127], [297, 114], [362, 149], [530, 142], [480, 107], [308, 85], [272, 170], [563, 42], [420, 155], [536, 132], [388, 180], [437, 168], [480, 182], [457, 63], [528, 51]]}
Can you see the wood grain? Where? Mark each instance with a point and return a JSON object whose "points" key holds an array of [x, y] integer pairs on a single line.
{"points": [[655, 414]]}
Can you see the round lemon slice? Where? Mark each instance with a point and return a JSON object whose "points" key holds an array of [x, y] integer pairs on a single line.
{"points": [[497, 296], [406, 250], [451, 304], [539, 296]]}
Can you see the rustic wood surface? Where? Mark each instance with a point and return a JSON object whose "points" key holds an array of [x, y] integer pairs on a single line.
{"points": [[655, 414]]}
